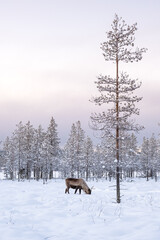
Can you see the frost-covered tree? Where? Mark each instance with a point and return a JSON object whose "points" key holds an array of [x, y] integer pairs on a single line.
{"points": [[129, 155], [145, 157], [46, 159], [53, 148], [88, 157], [98, 163], [6, 149], [19, 144], [9, 159], [153, 156], [149, 157], [29, 132], [108, 151], [70, 152], [39, 137], [53, 138], [74, 150], [117, 91], [80, 137]]}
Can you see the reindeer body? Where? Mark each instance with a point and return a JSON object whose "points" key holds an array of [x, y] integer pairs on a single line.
{"points": [[77, 183]]}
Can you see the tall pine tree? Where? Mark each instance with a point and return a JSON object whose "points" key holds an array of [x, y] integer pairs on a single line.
{"points": [[117, 91]]}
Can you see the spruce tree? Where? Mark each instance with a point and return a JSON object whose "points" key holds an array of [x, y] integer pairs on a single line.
{"points": [[88, 156], [70, 152], [18, 137], [39, 137], [9, 159], [74, 150], [53, 148], [29, 132]]}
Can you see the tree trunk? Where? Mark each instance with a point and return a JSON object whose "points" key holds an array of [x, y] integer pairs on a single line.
{"points": [[117, 135]]}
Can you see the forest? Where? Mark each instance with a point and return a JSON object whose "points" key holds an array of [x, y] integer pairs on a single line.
{"points": [[36, 154]]}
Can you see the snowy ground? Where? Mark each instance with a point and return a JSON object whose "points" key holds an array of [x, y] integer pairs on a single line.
{"points": [[33, 211]]}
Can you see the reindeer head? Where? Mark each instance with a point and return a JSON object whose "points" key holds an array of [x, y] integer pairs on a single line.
{"points": [[88, 191]]}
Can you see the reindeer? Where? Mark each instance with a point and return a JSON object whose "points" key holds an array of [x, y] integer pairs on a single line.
{"points": [[77, 183]]}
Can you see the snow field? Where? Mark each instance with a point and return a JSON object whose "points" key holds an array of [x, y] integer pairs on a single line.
{"points": [[34, 211]]}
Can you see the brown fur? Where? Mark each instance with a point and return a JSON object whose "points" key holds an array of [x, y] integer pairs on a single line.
{"points": [[77, 183]]}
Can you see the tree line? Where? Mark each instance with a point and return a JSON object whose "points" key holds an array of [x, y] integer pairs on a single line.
{"points": [[36, 154]]}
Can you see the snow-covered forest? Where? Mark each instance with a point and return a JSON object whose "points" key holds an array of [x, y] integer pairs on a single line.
{"points": [[31, 153]]}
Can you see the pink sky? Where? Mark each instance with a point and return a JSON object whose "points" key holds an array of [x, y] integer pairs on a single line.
{"points": [[50, 56]]}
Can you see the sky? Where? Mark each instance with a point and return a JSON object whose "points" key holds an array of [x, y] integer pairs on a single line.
{"points": [[50, 57]]}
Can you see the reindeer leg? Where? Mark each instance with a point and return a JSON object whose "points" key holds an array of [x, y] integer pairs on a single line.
{"points": [[76, 190], [67, 190], [79, 190]]}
